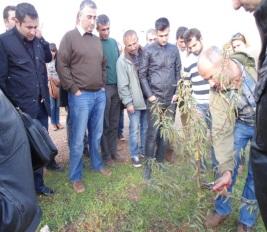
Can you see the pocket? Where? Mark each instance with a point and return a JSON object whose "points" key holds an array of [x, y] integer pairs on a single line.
{"points": [[261, 123], [12, 211]]}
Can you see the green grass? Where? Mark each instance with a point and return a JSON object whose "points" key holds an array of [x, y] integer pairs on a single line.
{"points": [[123, 202]]}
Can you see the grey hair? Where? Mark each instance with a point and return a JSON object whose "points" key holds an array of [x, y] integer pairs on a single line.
{"points": [[129, 33], [89, 3], [102, 19], [213, 54]]}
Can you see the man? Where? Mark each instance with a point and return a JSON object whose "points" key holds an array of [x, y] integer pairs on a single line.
{"points": [[9, 17], [159, 72], [200, 86], [81, 69], [151, 36], [180, 43], [19, 209], [259, 148], [233, 82], [131, 94], [23, 76], [112, 110]]}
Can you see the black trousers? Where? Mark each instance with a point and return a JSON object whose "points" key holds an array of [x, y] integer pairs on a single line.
{"points": [[155, 144], [259, 156], [111, 123], [38, 174]]}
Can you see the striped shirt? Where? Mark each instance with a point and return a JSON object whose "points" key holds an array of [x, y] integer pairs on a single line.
{"points": [[200, 86]]}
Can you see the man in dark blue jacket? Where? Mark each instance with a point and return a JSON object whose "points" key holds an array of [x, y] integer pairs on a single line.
{"points": [[23, 76]]}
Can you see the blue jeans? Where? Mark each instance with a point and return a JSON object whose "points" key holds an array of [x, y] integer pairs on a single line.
{"points": [[86, 112], [243, 134], [137, 125], [204, 110], [54, 104]]}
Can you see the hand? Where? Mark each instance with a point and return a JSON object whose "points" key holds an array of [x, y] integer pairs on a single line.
{"points": [[78, 93], [174, 98], [152, 98], [130, 109], [223, 182]]}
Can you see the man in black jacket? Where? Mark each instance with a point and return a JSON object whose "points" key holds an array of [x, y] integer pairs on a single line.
{"points": [[259, 148], [23, 76], [18, 204], [159, 73]]}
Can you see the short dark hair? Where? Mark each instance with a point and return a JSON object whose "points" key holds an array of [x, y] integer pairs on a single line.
{"points": [[24, 9], [191, 33], [239, 36], [180, 32], [6, 11], [89, 3], [53, 47], [102, 19], [161, 24]]}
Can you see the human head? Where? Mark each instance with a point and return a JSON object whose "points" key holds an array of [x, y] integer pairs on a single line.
{"points": [[27, 20], [87, 15], [103, 26], [162, 27], [180, 38], [53, 49], [248, 5], [151, 36], [221, 71], [193, 41], [239, 42], [131, 43], [9, 17]]}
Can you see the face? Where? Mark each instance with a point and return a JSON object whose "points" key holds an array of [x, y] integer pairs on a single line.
{"points": [[87, 19], [131, 44], [103, 31], [195, 46], [28, 27], [248, 5], [163, 36], [151, 38], [181, 44], [239, 46], [10, 22]]}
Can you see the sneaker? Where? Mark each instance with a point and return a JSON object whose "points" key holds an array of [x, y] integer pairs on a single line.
{"points": [[105, 172], [136, 162], [78, 186], [243, 228], [214, 219]]}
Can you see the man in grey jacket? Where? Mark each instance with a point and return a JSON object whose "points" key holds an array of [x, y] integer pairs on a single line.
{"points": [[131, 94]]}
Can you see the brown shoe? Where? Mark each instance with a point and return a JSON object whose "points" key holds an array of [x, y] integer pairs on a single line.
{"points": [[214, 219], [243, 228], [78, 186], [105, 172]]}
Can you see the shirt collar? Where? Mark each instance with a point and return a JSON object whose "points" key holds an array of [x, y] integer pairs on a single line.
{"points": [[82, 31]]}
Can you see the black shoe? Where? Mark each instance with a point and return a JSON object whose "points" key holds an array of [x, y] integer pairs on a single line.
{"points": [[53, 166], [44, 190], [136, 162]]}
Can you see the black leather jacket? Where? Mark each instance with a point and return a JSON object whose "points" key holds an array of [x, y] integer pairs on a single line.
{"points": [[261, 87], [19, 210], [160, 71]]}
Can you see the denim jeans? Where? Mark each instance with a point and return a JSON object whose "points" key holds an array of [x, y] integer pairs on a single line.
{"points": [[86, 112], [54, 104], [137, 126], [204, 110], [242, 134]]}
